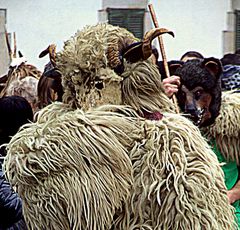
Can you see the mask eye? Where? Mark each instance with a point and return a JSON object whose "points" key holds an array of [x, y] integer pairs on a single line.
{"points": [[198, 94], [99, 84], [182, 94]]}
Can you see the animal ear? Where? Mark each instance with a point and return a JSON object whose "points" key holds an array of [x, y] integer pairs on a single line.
{"points": [[44, 52], [174, 66], [213, 65], [20, 54]]}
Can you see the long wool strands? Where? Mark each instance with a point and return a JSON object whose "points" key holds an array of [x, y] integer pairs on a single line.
{"points": [[72, 172], [142, 88], [226, 129], [83, 61], [178, 182]]}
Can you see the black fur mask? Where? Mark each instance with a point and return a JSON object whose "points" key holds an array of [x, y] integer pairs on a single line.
{"points": [[199, 95]]}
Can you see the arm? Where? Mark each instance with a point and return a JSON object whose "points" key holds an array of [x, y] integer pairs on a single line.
{"points": [[234, 193], [10, 204], [171, 85]]}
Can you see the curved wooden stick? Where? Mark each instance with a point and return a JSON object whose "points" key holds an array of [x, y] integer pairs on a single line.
{"points": [[164, 58]]}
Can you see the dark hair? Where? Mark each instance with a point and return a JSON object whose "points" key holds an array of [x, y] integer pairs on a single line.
{"points": [[192, 54], [155, 53], [237, 51], [230, 59], [15, 111]]}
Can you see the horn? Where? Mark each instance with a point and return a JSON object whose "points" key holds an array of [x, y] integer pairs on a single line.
{"points": [[147, 40], [143, 50]]}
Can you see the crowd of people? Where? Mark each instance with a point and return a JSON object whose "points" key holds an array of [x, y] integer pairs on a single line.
{"points": [[17, 109]]}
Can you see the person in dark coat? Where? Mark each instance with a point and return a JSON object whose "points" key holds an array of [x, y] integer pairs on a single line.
{"points": [[14, 112]]}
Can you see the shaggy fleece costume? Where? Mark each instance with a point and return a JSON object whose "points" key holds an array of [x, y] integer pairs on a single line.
{"points": [[93, 161], [226, 128]]}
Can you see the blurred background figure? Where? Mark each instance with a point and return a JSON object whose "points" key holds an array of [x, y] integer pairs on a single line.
{"points": [[15, 111], [231, 71]]}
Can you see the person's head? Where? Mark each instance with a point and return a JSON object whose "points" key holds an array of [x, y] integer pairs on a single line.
{"points": [[26, 87], [237, 52], [230, 59], [191, 55], [15, 111]]}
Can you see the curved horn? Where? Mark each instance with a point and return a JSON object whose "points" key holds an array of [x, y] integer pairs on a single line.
{"points": [[143, 50], [147, 40]]}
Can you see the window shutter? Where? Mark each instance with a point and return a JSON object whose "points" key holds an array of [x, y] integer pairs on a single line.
{"points": [[237, 29], [131, 19]]}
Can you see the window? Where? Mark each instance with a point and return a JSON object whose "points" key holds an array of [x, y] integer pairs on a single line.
{"points": [[131, 19], [237, 12]]}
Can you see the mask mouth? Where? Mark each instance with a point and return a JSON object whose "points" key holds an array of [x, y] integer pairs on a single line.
{"points": [[200, 117], [196, 118]]}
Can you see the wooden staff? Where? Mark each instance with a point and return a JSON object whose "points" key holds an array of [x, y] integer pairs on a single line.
{"points": [[164, 58], [15, 45], [8, 43]]}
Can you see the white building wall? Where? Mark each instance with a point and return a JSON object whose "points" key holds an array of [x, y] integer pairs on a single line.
{"points": [[236, 4], [229, 45], [124, 4], [4, 56]]}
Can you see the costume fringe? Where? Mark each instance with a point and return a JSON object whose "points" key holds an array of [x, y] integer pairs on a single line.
{"points": [[226, 129], [178, 182], [106, 167], [72, 172], [84, 61], [75, 157], [142, 88]]}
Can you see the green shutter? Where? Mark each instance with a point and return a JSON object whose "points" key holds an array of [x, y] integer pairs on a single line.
{"points": [[131, 19], [237, 29]]}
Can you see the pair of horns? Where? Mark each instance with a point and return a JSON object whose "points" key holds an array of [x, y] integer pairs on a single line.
{"points": [[143, 50]]}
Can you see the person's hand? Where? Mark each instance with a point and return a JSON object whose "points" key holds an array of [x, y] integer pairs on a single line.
{"points": [[233, 195], [171, 85]]}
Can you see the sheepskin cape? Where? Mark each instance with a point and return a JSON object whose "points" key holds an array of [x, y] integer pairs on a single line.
{"points": [[93, 163], [115, 170], [226, 128]]}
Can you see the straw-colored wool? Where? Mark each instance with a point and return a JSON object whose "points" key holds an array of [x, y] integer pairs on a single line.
{"points": [[86, 59], [142, 88], [226, 129], [86, 166], [72, 172], [178, 183], [86, 62]]}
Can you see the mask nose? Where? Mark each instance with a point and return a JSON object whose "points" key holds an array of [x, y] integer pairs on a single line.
{"points": [[190, 109]]}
